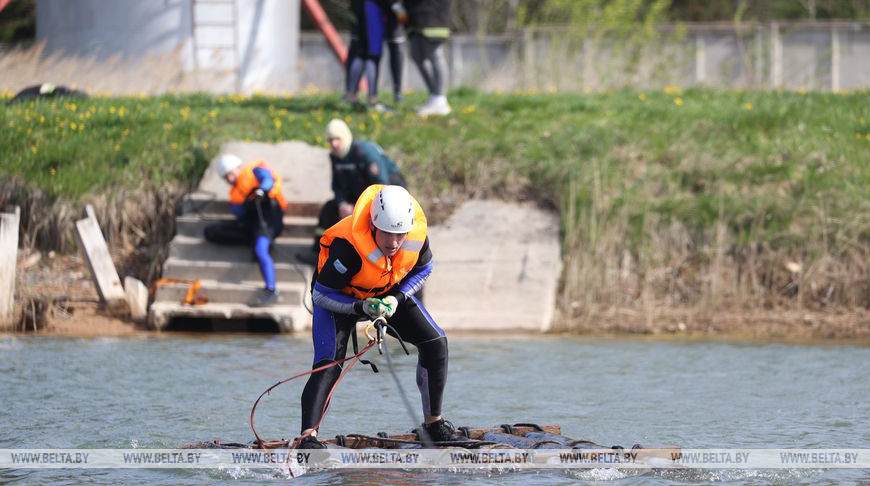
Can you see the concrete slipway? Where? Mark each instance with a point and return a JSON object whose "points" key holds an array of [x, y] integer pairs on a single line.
{"points": [[497, 264]]}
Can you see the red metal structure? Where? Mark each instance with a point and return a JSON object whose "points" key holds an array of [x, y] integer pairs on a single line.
{"points": [[328, 30]]}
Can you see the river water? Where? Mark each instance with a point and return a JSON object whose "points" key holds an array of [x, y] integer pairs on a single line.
{"points": [[160, 392]]}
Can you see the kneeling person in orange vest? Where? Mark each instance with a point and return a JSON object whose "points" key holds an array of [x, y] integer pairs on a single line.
{"points": [[258, 204], [371, 264]]}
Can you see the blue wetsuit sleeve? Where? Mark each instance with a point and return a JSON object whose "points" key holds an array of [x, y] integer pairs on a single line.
{"points": [[264, 178], [332, 299], [415, 279]]}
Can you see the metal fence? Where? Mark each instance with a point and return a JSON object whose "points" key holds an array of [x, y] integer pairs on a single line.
{"points": [[829, 56]]}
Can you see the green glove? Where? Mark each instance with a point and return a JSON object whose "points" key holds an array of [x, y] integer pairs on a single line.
{"points": [[373, 307]]}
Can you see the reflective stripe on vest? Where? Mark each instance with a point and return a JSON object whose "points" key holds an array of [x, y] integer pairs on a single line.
{"points": [[246, 182], [377, 274]]}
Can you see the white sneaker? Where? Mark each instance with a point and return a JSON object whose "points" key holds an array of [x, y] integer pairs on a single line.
{"points": [[436, 106]]}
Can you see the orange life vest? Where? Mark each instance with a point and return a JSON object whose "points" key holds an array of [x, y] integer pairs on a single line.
{"points": [[246, 182], [378, 273]]}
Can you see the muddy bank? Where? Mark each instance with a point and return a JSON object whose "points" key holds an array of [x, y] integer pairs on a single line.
{"points": [[64, 283]]}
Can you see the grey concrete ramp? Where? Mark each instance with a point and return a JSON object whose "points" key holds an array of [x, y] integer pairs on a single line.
{"points": [[229, 275], [497, 267]]}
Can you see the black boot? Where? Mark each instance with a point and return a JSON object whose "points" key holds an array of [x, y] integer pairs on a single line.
{"points": [[442, 431], [310, 442]]}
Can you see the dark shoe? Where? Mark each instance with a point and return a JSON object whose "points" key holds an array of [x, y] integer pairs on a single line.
{"points": [[265, 298], [442, 431], [307, 257], [310, 442]]}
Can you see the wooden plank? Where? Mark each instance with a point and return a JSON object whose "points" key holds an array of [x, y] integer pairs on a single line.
{"points": [[8, 256], [96, 254]]}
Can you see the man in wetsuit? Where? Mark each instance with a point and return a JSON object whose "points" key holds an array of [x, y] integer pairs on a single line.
{"points": [[371, 264], [257, 202]]}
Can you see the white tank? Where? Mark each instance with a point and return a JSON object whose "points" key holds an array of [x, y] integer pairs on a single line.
{"points": [[255, 43]]}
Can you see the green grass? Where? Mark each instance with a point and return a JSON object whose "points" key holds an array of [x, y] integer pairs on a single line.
{"points": [[784, 173]]}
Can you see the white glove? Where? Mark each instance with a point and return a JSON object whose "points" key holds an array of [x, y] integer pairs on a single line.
{"points": [[391, 303], [374, 307]]}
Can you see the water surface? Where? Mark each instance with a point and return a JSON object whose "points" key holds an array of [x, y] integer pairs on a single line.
{"points": [[161, 392]]}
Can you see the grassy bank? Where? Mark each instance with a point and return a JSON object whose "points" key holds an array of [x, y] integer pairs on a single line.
{"points": [[670, 200]]}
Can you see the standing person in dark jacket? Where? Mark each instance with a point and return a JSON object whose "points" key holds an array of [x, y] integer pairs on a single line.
{"points": [[428, 31], [356, 164], [376, 22]]}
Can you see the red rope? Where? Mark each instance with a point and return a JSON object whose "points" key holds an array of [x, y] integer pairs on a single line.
{"points": [[355, 358]]}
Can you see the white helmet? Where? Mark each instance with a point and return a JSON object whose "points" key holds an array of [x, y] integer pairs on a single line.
{"points": [[393, 210], [226, 163]]}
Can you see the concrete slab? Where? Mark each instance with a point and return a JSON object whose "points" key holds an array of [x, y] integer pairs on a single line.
{"points": [[497, 266], [193, 226], [186, 248], [232, 271], [228, 293]]}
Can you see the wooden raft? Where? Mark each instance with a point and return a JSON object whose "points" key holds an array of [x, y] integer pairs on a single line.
{"points": [[521, 436]]}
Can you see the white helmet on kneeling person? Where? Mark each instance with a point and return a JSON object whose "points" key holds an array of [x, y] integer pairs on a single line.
{"points": [[393, 210], [227, 163]]}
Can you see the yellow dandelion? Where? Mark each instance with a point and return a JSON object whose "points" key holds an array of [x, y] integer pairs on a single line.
{"points": [[112, 110], [747, 106], [678, 101], [41, 118], [73, 126], [671, 89], [641, 97], [212, 114], [277, 122], [117, 148], [53, 171], [167, 126], [125, 132], [362, 126], [204, 144], [173, 145], [33, 148], [81, 126], [11, 123], [347, 119], [318, 139], [867, 136], [73, 107]]}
